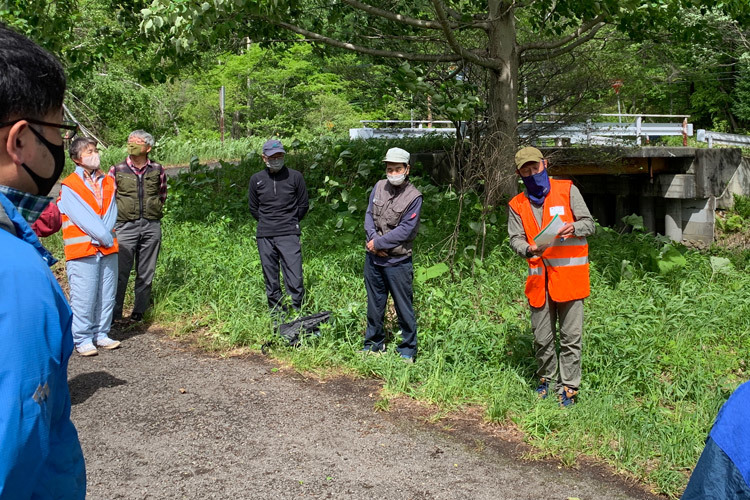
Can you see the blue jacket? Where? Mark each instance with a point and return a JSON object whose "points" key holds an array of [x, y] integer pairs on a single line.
{"points": [[40, 455], [723, 469]]}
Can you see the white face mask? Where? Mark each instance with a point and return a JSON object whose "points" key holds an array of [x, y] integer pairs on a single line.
{"points": [[91, 162], [396, 180], [275, 164]]}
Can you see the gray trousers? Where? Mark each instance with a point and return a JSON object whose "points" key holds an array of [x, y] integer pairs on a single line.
{"points": [[139, 240], [566, 372], [286, 251]]}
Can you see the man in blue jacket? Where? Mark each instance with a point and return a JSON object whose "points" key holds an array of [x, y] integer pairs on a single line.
{"points": [[40, 455]]}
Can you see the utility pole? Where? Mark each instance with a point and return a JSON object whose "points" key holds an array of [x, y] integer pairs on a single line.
{"points": [[221, 106], [617, 84]]}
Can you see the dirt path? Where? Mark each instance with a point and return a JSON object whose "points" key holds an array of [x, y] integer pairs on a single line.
{"points": [[160, 421]]}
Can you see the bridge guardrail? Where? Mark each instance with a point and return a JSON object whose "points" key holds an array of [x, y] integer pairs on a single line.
{"points": [[721, 138], [579, 133]]}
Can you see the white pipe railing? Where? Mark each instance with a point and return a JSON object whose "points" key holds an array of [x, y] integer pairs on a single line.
{"points": [[721, 138]]}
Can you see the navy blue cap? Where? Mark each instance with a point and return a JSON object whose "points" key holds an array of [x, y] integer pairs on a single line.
{"points": [[273, 146]]}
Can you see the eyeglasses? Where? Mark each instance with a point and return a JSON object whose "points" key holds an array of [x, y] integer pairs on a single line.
{"points": [[68, 129]]}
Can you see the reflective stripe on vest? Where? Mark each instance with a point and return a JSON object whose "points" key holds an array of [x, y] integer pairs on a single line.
{"points": [[78, 244], [563, 270], [76, 240], [570, 261]]}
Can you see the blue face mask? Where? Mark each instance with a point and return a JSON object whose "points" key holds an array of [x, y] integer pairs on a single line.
{"points": [[537, 186]]}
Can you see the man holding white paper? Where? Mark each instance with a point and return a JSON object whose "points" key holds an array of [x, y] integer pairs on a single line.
{"points": [[553, 211]]}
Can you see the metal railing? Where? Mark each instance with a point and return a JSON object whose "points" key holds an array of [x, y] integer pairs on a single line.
{"points": [[389, 129], [412, 123], [590, 132], [710, 137]]}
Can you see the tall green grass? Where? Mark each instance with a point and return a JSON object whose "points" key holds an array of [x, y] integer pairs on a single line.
{"points": [[661, 350]]}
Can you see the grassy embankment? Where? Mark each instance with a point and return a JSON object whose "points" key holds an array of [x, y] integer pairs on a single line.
{"points": [[666, 329]]}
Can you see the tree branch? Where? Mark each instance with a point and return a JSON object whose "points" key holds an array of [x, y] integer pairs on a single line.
{"points": [[551, 54], [408, 56], [422, 39], [562, 41], [419, 23], [478, 18], [453, 43]]}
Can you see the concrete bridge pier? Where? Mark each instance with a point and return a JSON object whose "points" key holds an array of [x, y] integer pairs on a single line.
{"points": [[673, 219], [646, 209], [621, 209], [599, 209]]}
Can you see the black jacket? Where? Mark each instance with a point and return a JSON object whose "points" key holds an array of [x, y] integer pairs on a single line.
{"points": [[277, 201]]}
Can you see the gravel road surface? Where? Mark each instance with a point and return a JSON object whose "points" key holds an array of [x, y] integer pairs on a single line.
{"points": [[159, 420]]}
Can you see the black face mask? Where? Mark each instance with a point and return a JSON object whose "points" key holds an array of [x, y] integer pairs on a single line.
{"points": [[45, 184]]}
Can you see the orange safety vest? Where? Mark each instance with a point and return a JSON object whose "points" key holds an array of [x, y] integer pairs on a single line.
{"points": [[77, 243], [563, 268]]}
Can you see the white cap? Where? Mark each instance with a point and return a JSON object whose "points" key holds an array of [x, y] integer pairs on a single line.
{"points": [[397, 155]]}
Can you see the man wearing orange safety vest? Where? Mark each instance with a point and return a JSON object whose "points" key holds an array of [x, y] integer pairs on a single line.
{"points": [[89, 211], [558, 278]]}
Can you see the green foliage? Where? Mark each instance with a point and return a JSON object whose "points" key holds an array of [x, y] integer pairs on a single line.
{"points": [[742, 206], [452, 99], [736, 220], [663, 345], [731, 224], [421, 274]]}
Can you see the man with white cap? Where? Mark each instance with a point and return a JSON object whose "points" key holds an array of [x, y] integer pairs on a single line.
{"points": [[558, 278], [277, 197], [391, 224]]}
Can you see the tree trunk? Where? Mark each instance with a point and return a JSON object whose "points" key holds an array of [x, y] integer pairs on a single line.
{"points": [[503, 94]]}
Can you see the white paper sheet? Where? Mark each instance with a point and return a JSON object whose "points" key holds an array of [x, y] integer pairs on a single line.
{"points": [[548, 235]]}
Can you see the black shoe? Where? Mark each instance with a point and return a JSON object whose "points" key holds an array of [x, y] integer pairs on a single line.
{"points": [[136, 317]]}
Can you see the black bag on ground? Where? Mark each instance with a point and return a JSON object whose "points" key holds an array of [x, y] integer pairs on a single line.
{"points": [[294, 331]]}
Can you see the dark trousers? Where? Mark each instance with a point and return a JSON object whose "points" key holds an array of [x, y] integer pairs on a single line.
{"points": [[287, 251], [379, 282], [139, 240]]}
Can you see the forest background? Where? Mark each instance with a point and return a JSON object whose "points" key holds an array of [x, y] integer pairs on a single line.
{"points": [[667, 327], [676, 57]]}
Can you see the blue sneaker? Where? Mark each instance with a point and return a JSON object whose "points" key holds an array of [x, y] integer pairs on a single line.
{"points": [[567, 397], [543, 388], [407, 359]]}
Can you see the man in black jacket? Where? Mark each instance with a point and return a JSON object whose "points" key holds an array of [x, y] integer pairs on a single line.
{"points": [[278, 200]]}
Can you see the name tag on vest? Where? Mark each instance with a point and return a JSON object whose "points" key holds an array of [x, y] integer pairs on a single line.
{"points": [[559, 210]]}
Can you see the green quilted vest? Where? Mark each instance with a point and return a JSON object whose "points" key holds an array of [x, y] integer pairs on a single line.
{"points": [[138, 197]]}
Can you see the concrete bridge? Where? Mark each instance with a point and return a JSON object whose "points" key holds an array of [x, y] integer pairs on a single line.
{"points": [[676, 190]]}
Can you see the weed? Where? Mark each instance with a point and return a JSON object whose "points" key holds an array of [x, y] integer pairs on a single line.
{"points": [[382, 404]]}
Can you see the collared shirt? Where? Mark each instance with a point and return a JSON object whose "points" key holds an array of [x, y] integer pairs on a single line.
{"points": [[93, 181], [139, 171], [30, 206], [13, 222]]}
